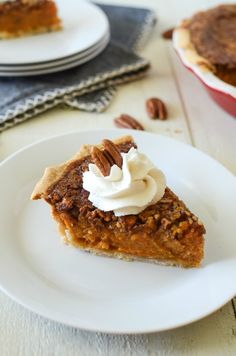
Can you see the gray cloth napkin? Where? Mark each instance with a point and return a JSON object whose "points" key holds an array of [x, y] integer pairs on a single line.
{"points": [[88, 87]]}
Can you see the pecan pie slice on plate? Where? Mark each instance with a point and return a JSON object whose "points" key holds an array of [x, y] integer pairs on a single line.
{"points": [[25, 17], [110, 200]]}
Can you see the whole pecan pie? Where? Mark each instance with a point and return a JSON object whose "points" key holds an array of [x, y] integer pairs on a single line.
{"points": [[24, 17], [166, 231], [210, 38]]}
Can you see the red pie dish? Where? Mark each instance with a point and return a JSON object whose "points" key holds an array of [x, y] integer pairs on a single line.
{"points": [[206, 45]]}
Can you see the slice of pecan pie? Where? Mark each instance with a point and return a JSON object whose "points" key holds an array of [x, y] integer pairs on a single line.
{"points": [[25, 17], [163, 231]]}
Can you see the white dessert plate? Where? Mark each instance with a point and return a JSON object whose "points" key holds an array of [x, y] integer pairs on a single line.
{"points": [[74, 62], [103, 294], [84, 25], [66, 60]]}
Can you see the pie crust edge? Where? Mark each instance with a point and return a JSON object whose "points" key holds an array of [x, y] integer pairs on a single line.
{"points": [[183, 41]]}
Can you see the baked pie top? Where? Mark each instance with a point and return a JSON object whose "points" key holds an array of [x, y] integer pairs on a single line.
{"points": [[213, 34]]}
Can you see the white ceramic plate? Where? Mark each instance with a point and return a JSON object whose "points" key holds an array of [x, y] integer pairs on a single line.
{"points": [[84, 25], [51, 64], [57, 67], [99, 293]]}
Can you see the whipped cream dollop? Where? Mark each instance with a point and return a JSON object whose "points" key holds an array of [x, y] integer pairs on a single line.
{"points": [[127, 190]]}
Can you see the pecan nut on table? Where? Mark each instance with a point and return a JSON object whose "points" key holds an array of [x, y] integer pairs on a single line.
{"points": [[128, 122], [156, 109]]}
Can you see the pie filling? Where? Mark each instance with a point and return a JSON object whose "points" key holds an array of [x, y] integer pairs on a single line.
{"points": [[228, 75], [166, 232], [213, 34], [18, 17]]}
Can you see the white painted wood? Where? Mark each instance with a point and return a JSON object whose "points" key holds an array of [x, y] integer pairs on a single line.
{"points": [[193, 118]]}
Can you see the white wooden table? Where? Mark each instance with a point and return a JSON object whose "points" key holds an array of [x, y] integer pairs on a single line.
{"points": [[193, 118]]}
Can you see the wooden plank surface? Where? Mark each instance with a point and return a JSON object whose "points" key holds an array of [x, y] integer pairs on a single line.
{"points": [[194, 119]]}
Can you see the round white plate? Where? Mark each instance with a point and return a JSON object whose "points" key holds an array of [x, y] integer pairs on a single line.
{"points": [[57, 68], [50, 64], [99, 293], [84, 25]]}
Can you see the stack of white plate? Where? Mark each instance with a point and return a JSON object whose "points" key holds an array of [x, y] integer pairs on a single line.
{"points": [[85, 34]]}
